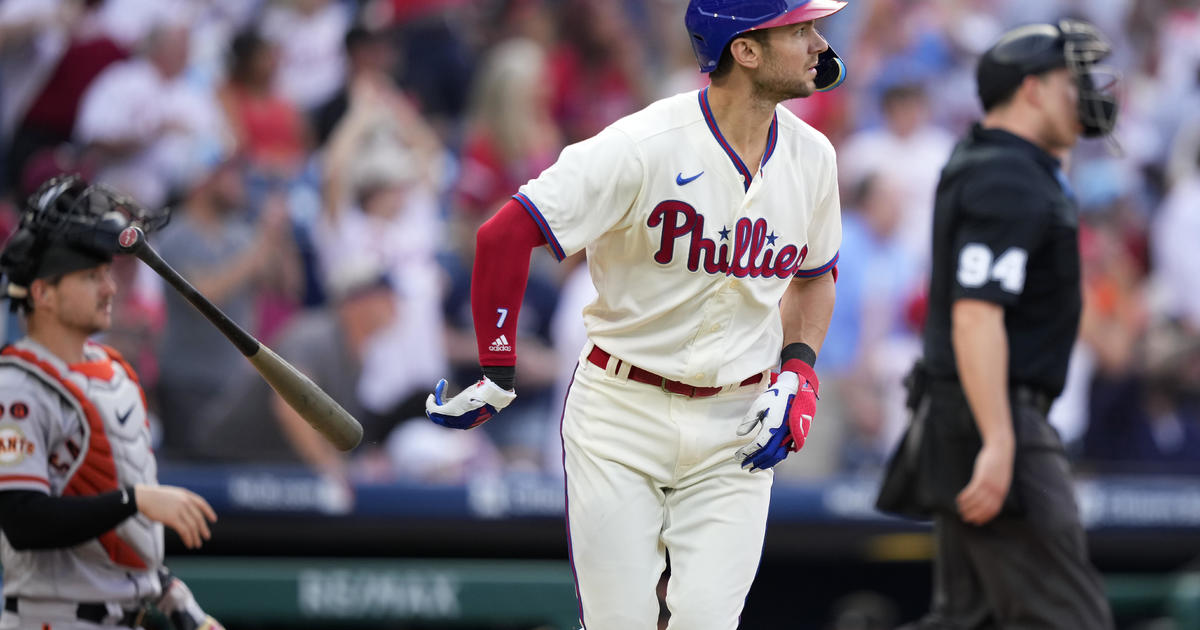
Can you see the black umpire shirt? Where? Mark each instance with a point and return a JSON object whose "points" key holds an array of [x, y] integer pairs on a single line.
{"points": [[1005, 230]]}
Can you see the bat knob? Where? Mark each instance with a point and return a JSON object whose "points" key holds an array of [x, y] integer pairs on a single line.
{"points": [[130, 238]]}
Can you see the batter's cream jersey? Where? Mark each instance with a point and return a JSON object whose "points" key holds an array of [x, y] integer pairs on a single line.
{"points": [[689, 251], [77, 430]]}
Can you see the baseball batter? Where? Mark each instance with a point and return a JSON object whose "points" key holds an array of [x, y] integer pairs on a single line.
{"points": [[711, 224], [81, 512]]}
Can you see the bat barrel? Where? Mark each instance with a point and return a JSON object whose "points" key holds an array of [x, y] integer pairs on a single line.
{"points": [[311, 402]]}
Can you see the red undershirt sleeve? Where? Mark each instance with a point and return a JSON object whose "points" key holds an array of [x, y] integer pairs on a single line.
{"points": [[502, 251]]}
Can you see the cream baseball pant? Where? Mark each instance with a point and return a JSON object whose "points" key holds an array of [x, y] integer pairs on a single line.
{"points": [[650, 473]]}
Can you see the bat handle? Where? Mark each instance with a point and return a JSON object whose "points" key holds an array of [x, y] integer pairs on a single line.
{"points": [[133, 241]]}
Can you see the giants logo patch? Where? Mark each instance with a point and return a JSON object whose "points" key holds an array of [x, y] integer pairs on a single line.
{"points": [[750, 252], [14, 448]]}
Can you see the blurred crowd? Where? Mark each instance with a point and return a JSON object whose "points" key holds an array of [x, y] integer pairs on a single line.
{"points": [[328, 163]]}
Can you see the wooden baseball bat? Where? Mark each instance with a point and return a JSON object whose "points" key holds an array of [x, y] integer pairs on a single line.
{"points": [[303, 395]]}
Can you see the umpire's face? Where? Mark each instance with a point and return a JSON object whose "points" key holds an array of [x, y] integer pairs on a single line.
{"points": [[1057, 98]]}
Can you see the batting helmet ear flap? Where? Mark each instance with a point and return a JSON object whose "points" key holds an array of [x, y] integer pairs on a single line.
{"points": [[712, 24], [830, 71]]}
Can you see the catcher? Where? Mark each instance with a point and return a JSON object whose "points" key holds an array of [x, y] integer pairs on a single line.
{"points": [[81, 511]]}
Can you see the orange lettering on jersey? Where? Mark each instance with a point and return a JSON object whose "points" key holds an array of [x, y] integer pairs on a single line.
{"points": [[14, 448], [57, 465], [98, 472]]}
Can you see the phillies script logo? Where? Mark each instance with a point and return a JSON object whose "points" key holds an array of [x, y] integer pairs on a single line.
{"points": [[753, 248]]}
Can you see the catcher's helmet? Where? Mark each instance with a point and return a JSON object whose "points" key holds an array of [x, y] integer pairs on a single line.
{"points": [[1037, 48], [712, 24], [67, 226]]}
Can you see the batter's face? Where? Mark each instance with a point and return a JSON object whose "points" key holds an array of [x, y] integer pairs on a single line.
{"points": [[789, 66], [81, 301]]}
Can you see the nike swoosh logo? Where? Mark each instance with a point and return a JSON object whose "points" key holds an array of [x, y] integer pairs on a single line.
{"points": [[681, 180], [122, 417]]}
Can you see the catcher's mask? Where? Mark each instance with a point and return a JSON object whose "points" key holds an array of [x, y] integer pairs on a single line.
{"points": [[1072, 44], [67, 226]]}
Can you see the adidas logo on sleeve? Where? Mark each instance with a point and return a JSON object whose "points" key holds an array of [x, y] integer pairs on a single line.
{"points": [[500, 345]]}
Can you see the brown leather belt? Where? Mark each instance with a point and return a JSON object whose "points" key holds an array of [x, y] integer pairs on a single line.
{"points": [[599, 358]]}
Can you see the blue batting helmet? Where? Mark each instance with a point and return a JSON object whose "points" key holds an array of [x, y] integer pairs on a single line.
{"points": [[712, 24]]}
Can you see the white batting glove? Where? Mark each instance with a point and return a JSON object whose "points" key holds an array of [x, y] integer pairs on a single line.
{"points": [[769, 415], [471, 407], [782, 414]]}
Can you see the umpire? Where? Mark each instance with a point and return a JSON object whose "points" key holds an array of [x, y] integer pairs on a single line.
{"points": [[1004, 303]]}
